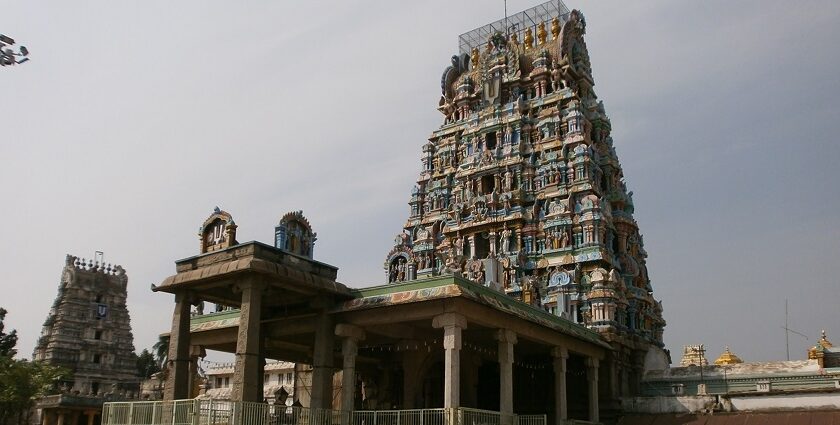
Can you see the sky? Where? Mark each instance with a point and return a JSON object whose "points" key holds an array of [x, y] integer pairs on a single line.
{"points": [[133, 120]]}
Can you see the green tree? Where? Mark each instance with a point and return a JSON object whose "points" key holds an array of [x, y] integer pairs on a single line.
{"points": [[162, 351], [7, 340], [21, 381], [147, 364]]}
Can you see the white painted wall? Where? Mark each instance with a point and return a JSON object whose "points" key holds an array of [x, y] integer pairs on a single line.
{"points": [[754, 403]]}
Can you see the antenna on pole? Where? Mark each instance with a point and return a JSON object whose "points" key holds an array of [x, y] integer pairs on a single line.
{"points": [[788, 331]]}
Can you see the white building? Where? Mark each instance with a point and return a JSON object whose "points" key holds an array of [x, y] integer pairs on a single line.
{"points": [[279, 377]]}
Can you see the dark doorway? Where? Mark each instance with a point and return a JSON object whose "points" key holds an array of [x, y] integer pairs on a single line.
{"points": [[488, 386], [433, 387], [577, 388], [533, 383], [482, 245], [490, 140], [488, 184]]}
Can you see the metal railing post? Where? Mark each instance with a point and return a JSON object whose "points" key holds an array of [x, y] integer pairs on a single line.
{"points": [[130, 414], [110, 416]]}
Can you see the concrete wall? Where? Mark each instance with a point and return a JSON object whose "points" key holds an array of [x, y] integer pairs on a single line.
{"points": [[828, 400], [660, 404], [756, 403]]}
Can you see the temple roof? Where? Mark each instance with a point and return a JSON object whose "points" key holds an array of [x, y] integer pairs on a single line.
{"points": [[728, 358]]}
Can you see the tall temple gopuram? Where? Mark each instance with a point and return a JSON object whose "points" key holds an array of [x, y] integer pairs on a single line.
{"points": [[88, 332], [521, 189]]}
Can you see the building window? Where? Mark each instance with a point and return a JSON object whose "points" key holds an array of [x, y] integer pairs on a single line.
{"points": [[289, 377], [266, 378], [97, 335], [227, 381], [97, 358]]}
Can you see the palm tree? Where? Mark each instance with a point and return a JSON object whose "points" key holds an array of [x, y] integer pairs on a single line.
{"points": [[162, 351]]}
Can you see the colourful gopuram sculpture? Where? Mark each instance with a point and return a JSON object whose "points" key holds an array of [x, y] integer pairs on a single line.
{"points": [[521, 188]]}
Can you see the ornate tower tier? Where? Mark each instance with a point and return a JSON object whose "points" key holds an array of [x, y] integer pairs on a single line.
{"points": [[521, 188]]}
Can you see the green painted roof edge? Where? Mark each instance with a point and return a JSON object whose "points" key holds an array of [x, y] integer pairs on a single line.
{"points": [[566, 325], [219, 315], [413, 285], [437, 281]]}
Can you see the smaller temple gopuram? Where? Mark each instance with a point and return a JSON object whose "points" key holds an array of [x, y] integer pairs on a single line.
{"points": [[88, 332]]}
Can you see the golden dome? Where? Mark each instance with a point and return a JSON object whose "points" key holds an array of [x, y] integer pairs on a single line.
{"points": [[728, 358]]}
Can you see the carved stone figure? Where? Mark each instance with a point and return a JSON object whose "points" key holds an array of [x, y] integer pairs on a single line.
{"points": [[504, 243]]}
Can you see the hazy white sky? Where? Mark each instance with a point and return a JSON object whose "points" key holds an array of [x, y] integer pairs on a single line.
{"points": [[134, 119]]}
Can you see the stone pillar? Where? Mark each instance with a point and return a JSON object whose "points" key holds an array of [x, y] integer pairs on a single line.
{"points": [[351, 335], [60, 418], [507, 339], [560, 355], [91, 416], [248, 368], [592, 377], [177, 380], [452, 324], [322, 363], [471, 239]]}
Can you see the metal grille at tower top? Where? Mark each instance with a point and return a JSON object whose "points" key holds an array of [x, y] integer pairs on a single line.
{"points": [[516, 23]]}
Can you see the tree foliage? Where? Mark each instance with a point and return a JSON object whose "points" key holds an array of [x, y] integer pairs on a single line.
{"points": [[7, 340], [21, 381], [147, 365], [162, 351]]}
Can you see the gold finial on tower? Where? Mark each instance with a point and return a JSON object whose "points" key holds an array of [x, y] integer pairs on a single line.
{"points": [[541, 34], [555, 28], [529, 39], [824, 342], [474, 57]]}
